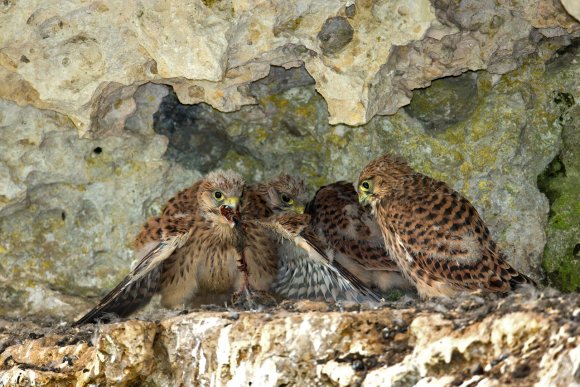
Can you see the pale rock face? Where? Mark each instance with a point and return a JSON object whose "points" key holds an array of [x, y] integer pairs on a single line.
{"points": [[58, 219], [83, 161], [63, 56], [573, 8]]}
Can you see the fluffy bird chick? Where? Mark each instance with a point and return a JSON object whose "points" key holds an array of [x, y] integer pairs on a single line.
{"points": [[282, 194], [285, 193], [433, 233], [306, 268], [190, 253], [354, 235]]}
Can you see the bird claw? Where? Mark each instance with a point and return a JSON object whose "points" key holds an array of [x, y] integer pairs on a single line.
{"points": [[250, 299]]}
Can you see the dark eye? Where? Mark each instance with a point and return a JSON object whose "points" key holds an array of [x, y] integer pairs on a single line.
{"points": [[218, 195], [285, 199], [366, 185]]}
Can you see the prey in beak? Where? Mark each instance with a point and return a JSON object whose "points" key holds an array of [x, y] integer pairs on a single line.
{"points": [[229, 210]]}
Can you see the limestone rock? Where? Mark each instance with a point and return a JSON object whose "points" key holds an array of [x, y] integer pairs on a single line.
{"points": [[69, 207], [87, 154], [572, 7], [526, 339], [78, 58], [336, 33]]}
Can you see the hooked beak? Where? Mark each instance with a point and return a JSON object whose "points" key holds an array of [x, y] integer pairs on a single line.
{"points": [[299, 209], [229, 210], [232, 202], [363, 198]]}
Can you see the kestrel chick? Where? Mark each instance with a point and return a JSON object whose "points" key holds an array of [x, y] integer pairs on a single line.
{"points": [[282, 194], [433, 233], [190, 252], [306, 269], [354, 235], [285, 193]]}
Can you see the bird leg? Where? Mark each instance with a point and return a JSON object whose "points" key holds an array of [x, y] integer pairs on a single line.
{"points": [[243, 267], [243, 297]]}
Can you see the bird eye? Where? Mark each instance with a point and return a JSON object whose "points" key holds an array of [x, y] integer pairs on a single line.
{"points": [[218, 195], [365, 185], [286, 199]]}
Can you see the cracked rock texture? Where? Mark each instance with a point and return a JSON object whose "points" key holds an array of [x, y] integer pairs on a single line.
{"points": [[77, 57], [94, 135], [524, 340]]}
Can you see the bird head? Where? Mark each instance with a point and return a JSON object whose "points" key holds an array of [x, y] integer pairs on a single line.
{"points": [[220, 195], [366, 191], [286, 193], [381, 177]]}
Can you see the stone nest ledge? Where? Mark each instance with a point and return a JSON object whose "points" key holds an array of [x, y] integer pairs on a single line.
{"points": [[525, 339]]}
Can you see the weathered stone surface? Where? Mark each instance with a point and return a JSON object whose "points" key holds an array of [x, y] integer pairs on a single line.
{"points": [[573, 8], [446, 102], [76, 58], [526, 340], [69, 207], [85, 155], [336, 33], [561, 183]]}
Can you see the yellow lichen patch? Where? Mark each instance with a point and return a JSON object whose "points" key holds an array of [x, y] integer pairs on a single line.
{"points": [[486, 156], [261, 135]]}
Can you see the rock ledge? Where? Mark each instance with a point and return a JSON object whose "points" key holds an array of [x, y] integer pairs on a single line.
{"points": [[522, 339]]}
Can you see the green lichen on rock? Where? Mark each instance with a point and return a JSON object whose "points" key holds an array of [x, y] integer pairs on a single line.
{"points": [[446, 101], [561, 184]]}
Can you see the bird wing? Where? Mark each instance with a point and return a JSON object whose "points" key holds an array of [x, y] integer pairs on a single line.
{"points": [[305, 268], [136, 289], [349, 228], [446, 238]]}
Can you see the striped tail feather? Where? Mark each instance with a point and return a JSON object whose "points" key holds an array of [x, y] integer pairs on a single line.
{"points": [[128, 296]]}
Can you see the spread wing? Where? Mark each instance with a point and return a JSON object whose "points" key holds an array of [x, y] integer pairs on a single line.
{"points": [[157, 241], [306, 270], [137, 288], [348, 228]]}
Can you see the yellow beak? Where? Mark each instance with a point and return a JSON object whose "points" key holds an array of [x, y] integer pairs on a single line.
{"points": [[363, 198], [299, 209], [232, 202]]}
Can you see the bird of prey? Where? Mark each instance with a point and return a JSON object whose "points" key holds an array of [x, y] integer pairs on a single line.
{"points": [[433, 233], [192, 251], [354, 235], [277, 231], [282, 194], [307, 269]]}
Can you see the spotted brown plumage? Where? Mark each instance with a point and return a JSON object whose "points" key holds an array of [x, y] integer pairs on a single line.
{"points": [[282, 194], [189, 253], [354, 235], [433, 233], [307, 269]]}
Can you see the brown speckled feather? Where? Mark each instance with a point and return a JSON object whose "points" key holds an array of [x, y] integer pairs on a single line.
{"points": [[435, 234], [261, 201], [189, 251], [354, 235]]}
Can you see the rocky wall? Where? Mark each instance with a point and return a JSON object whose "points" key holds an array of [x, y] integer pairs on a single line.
{"points": [[96, 127]]}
